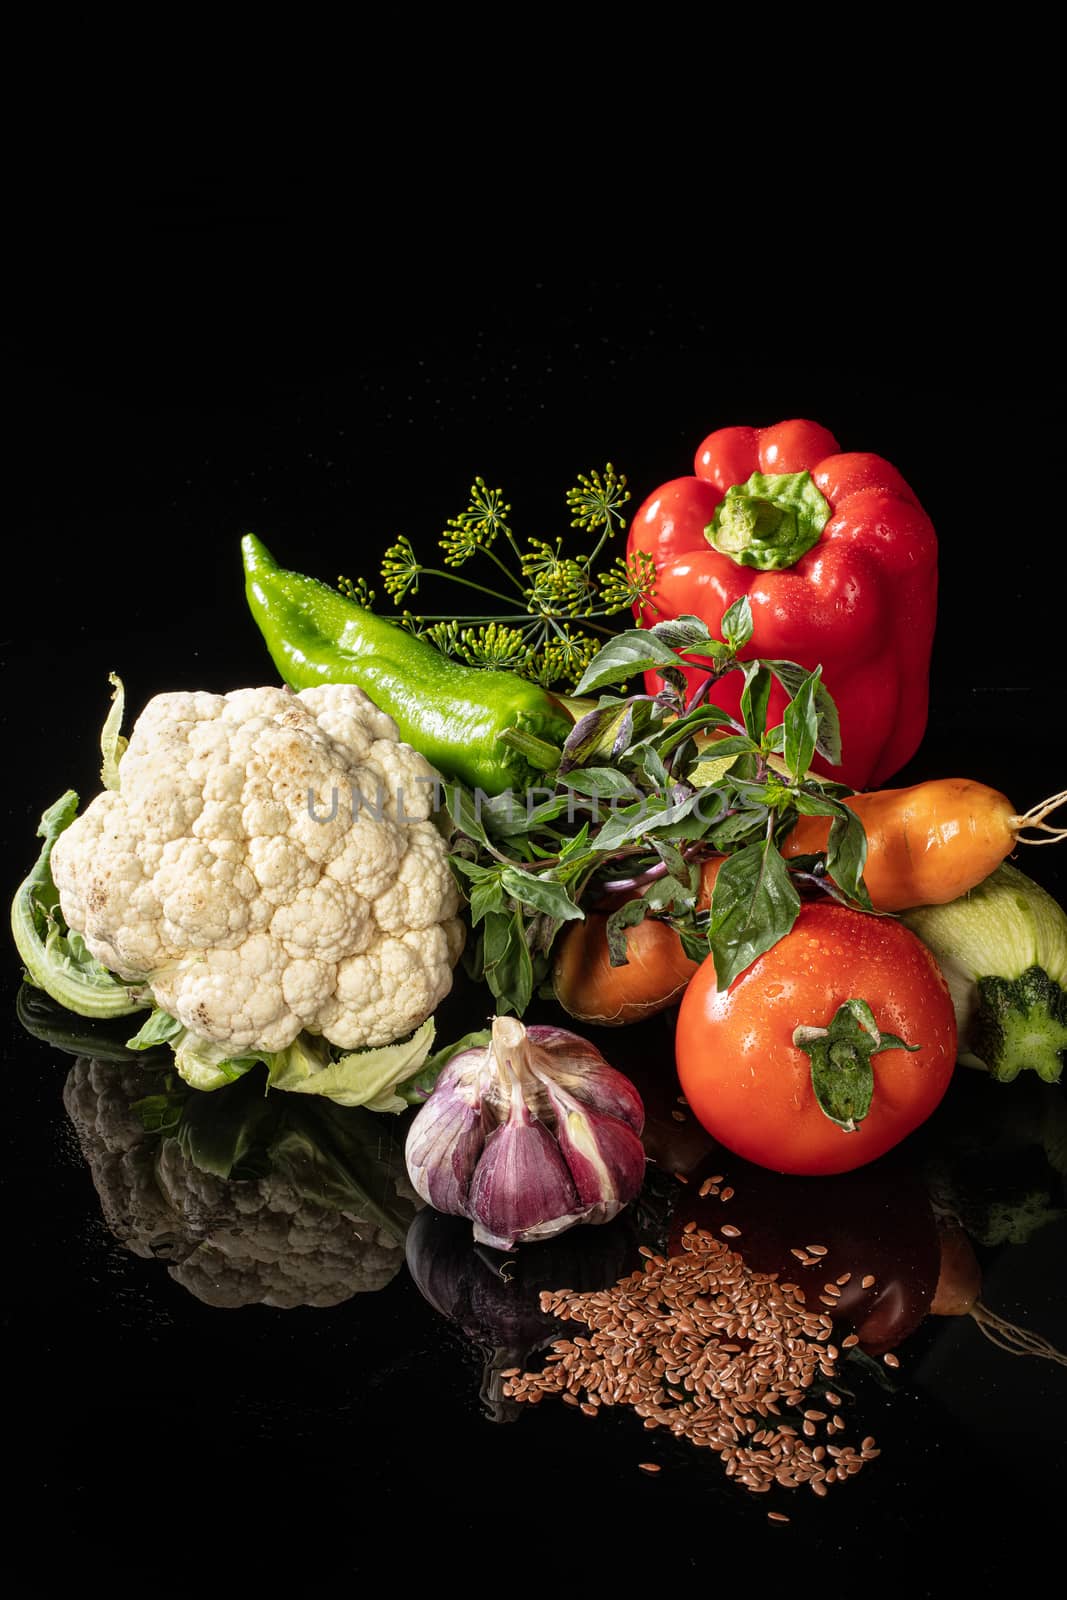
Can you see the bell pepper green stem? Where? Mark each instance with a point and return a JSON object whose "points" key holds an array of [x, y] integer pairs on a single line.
{"points": [[769, 521]]}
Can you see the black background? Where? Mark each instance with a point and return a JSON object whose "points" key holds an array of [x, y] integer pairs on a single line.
{"points": [[207, 371]]}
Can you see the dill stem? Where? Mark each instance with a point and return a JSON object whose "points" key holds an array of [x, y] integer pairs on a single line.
{"points": [[480, 617], [454, 577], [505, 569]]}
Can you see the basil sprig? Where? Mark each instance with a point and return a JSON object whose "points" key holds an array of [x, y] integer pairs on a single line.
{"points": [[636, 804]]}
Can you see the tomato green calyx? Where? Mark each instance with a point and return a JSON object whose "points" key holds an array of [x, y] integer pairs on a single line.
{"points": [[841, 1071], [770, 521]]}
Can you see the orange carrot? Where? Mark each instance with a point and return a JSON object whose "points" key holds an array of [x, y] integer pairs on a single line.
{"points": [[928, 844]]}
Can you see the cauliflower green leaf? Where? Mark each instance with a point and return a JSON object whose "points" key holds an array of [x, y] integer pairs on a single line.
{"points": [[360, 1077], [55, 958], [112, 744]]}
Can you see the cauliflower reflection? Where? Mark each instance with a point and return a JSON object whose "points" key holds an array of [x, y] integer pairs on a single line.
{"points": [[252, 1200]]}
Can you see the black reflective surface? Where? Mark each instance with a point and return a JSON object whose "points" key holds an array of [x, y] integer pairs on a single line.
{"points": [[211, 1382]]}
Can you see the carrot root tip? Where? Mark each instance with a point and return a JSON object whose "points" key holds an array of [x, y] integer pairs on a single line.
{"points": [[1035, 819]]}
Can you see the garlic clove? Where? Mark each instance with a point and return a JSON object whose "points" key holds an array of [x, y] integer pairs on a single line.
{"points": [[442, 1148], [604, 1090], [578, 1066], [605, 1157], [521, 1185]]}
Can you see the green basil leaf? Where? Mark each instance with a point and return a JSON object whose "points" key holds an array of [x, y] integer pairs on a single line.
{"points": [[754, 904], [623, 823], [498, 928], [746, 824], [646, 761], [472, 959], [636, 822], [745, 768], [735, 744], [627, 654], [815, 803], [713, 801], [694, 942], [674, 861], [800, 723], [547, 811], [672, 815], [675, 733], [828, 743], [755, 698], [714, 765], [628, 915], [670, 894], [507, 966], [683, 633], [846, 848], [846, 856], [540, 894], [472, 870], [576, 853], [486, 898], [465, 811], [601, 781], [503, 815], [736, 625], [603, 733], [689, 828], [714, 650]]}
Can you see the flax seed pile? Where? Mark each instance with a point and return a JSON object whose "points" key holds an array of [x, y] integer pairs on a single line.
{"points": [[700, 1344]]}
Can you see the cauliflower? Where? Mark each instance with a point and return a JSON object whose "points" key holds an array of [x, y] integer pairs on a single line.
{"points": [[268, 865]]}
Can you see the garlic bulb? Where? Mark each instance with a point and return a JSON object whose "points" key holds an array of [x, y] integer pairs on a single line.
{"points": [[528, 1136]]}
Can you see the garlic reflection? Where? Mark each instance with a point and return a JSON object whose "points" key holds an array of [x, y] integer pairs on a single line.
{"points": [[494, 1300]]}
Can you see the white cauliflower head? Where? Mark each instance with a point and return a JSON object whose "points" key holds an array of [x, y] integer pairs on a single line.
{"points": [[269, 864]]}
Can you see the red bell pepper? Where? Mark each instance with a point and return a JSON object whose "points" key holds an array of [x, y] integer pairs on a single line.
{"points": [[839, 562]]}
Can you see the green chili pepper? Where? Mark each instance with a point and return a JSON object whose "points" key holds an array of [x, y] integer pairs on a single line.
{"points": [[491, 730]]}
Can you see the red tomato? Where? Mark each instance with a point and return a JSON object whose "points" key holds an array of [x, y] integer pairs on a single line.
{"points": [[751, 1085]]}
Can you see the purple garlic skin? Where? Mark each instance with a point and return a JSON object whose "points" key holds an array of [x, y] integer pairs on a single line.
{"points": [[577, 1066], [604, 1155], [528, 1136], [521, 1180], [443, 1145]]}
